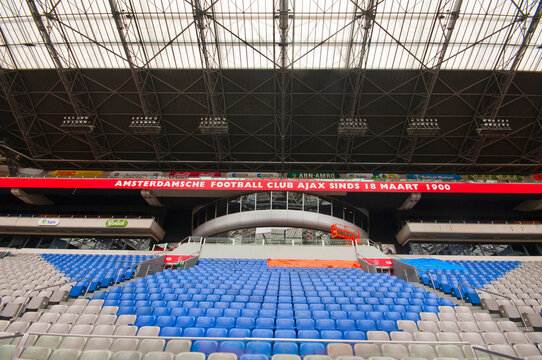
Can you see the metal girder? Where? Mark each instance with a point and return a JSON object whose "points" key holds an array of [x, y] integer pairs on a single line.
{"points": [[126, 22], [203, 12], [362, 27], [500, 80], [72, 79], [443, 24], [532, 152], [22, 106], [283, 16]]}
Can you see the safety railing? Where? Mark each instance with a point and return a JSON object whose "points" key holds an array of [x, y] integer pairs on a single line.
{"points": [[25, 302], [494, 355], [492, 293]]}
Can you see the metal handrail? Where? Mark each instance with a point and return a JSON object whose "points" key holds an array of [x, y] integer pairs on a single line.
{"points": [[23, 305], [493, 293], [122, 268], [474, 348]]}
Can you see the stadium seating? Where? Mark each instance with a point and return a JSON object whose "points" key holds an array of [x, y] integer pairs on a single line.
{"points": [[244, 299], [20, 275], [101, 270]]}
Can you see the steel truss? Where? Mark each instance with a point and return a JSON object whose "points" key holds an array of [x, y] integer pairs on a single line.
{"points": [[357, 63], [203, 12], [283, 69], [443, 24], [22, 107], [72, 79], [500, 80], [137, 58]]}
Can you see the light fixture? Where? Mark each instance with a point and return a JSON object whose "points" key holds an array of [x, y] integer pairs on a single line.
{"points": [[422, 127], [214, 125], [352, 126], [145, 125], [493, 127], [77, 124]]}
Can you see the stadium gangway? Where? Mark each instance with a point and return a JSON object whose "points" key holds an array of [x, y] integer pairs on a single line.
{"points": [[492, 293], [25, 303]]}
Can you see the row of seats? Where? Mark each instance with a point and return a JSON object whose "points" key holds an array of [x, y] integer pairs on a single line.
{"points": [[334, 303], [103, 270], [20, 274]]}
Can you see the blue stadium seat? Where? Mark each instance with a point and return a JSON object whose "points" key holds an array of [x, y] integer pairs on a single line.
{"points": [[236, 347], [216, 332], [194, 332], [258, 347], [285, 334], [239, 333], [262, 333], [285, 348], [165, 321], [178, 311], [411, 316], [265, 323], [170, 331], [346, 325], [308, 334], [386, 325], [305, 324], [325, 324], [145, 320], [331, 334], [244, 322], [311, 349], [366, 325], [205, 346], [285, 324], [185, 321], [355, 335], [161, 311]]}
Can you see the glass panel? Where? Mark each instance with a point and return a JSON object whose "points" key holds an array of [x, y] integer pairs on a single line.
{"points": [[234, 205], [201, 216], [357, 217], [337, 209], [249, 202], [311, 203], [279, 200], [263, 201], [324, 207], [349, 213], [221, 207], [210, 212], [295, 201]]}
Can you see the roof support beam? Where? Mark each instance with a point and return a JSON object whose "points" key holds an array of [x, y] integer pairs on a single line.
{"points": [[127, 28], [356, 62], [443, 25], [500, 80], [203, 12], [22, 106], [532, 152], [72, 80], [283, 79]]}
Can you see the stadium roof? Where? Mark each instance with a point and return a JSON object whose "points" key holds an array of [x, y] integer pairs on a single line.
{"points": [[283, 73]]}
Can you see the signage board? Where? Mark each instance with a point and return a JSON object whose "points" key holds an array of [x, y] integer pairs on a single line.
{"points": [[48, 222], [311, 175], [193, 174], [76, 173], [116, 223], [283, 185], [439, 177]]}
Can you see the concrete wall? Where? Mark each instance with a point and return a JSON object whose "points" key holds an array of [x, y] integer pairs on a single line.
{"points": [[80, 227], [465, 232]]}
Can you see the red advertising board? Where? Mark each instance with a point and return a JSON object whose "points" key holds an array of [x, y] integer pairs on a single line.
{"points": [[381, 262], [266, 185], [174, 259]]}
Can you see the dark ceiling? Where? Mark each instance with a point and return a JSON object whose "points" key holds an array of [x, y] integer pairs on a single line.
{"points": [[311, 142]]}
